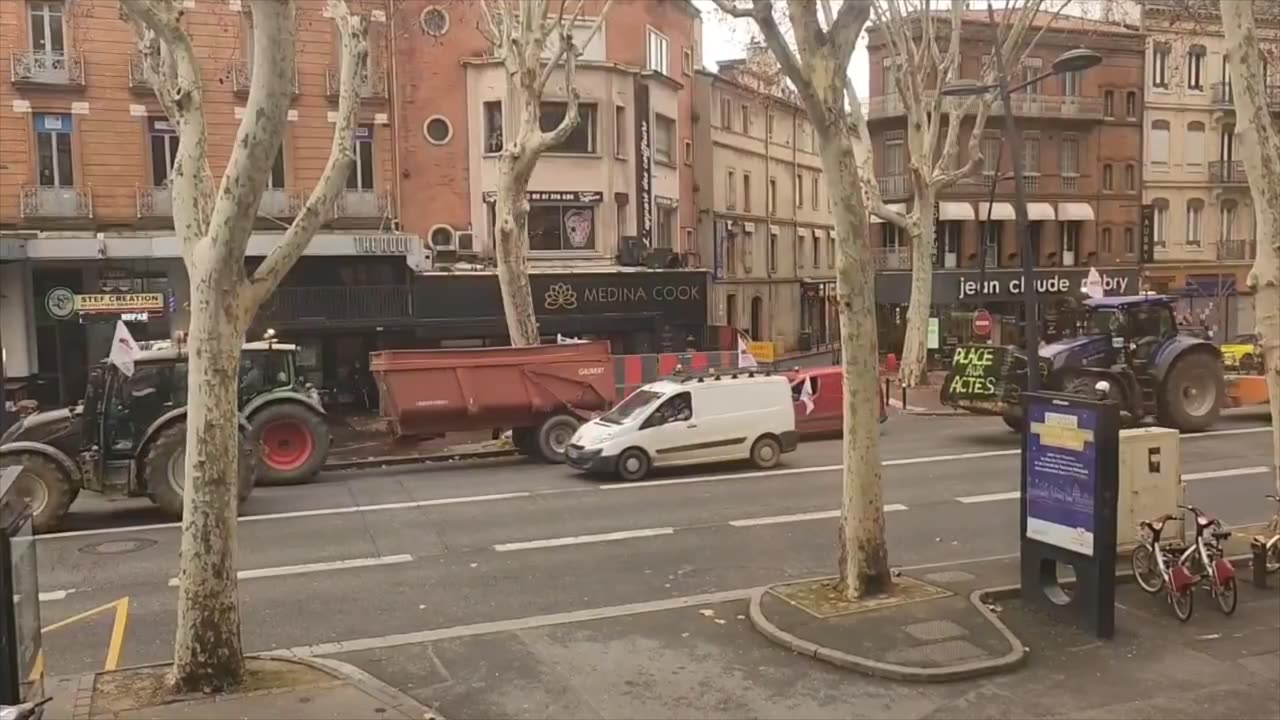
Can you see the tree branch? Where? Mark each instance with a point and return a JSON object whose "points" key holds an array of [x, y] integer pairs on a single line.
{"points": [[354, 33]]}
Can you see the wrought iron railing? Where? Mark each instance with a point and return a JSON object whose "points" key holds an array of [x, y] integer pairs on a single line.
{"points": [[892, 258], [374, 85], [362, 204], [46, 67], [1227, 172], [242, 77], [40, 201], [154, 202]]}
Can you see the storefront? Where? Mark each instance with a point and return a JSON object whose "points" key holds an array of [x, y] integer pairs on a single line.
{"points": [[638, 311], [958, 294]]}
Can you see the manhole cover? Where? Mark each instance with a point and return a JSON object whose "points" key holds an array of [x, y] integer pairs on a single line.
{"points": [[118, 547]]}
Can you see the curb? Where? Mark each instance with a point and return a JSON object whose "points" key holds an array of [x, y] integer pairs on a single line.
{"points": [[369, 685], [934, 413], [394, 460], [892, 671]]}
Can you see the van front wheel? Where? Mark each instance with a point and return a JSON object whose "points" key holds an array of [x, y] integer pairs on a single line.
{"points": [[766, 453], [633, 464]]}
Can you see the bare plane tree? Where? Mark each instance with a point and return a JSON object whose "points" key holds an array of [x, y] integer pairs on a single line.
{"points": [[532, 41], [214, 219]]}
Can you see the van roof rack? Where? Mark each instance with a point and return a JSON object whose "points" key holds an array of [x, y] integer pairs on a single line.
{"points": [[713, 374]]}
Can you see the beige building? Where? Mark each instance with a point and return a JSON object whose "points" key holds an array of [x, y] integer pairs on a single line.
{"points": [[1195, 182], [764, 217]]}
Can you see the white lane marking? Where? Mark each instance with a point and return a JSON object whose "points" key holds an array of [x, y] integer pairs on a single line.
{"points": [[800, 517], [712, 478], [316, 567], [1232, 472], [51, 595], [991, 497], [582, 539]]}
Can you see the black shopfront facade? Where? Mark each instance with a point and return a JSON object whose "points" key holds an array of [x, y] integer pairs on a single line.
{"points": [[638, 311], [958, 294]]}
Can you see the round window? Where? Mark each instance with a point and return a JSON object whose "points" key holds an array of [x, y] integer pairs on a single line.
{"points": [[437, 129], [435, 21]]}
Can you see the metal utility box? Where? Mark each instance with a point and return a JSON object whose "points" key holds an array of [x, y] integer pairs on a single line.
{"points": [[1150, 482]]}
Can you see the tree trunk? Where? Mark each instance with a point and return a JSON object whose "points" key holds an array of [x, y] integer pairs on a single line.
{"points": [[1261, 142], [864, 560], [915, 344], [512, 215], [207, 650]]}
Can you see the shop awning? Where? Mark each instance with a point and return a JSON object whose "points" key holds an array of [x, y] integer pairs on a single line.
{"points": [[1075, 212], [955, 211], [999, 211], [896, 207], [1039, 211]]}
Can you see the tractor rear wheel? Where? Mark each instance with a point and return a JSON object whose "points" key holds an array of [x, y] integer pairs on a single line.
{"points": [[1191, 395], [1013, 421], [44, 485], [165, 473], [294, 442]]}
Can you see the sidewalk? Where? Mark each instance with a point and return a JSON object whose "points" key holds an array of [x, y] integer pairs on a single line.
{"points": [[273, 688], [920, 400]]}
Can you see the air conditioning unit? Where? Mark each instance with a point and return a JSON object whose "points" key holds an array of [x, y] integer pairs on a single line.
{"points": [[441, 238], [466, 242], [661, 258], [631, 252]]}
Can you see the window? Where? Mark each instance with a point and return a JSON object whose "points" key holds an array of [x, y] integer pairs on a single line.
{"points": [[1195, 210], [1193, 150], [1070, 243], [1106, 241], [1195, 67], [686, 61], [361, 177], [726, 112], [891, 237], [1109, 103], [731, 190], [277, 179], [1070, 161], [817, 251], [895, 153], [582, 140], [1072, 83], [54, 165], [990, 153], [990, 232], [1130, 177], [1227, 221], [1031, 69], [801, 248], [773, 196], [1160, 142], [746, 192], [731, 310], [730, 258], [768, 125], [746, 119], [1108, 178], [688, 152], [1160, 65], [666, 227], [664, 139], [437, 130], [657, 56], [619, 131], [164, 151], [831, 249], [493, 126], [1128, 241], [887, 83], [757, 318], [1161, 224], [1131, 104], [773, 253], [48, 33], [435, 21], [1031, 153], [813, 195], [799, 190], [563, 227]]}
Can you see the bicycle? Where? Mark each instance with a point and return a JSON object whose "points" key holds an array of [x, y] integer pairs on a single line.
{"points": [[1156, 567], [1213, 570]]}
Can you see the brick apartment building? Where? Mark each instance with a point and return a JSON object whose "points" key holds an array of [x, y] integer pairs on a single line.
{"points": [[1082, 138], [85, 152]]}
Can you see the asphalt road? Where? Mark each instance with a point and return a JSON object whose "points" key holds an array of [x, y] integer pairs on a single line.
{"points": [[371, 554]]}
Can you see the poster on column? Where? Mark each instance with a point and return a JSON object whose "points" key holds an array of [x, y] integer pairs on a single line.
{"points": [[1061, 475]]}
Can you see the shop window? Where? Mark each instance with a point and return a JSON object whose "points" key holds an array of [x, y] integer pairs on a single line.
{"points": [[164, 151], [582, 139], [493, 126], [664, 139], [54, 165], [554, 227], [361, 177]]}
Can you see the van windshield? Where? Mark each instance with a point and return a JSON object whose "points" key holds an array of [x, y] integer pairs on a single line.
{"points": [[635, 404]]}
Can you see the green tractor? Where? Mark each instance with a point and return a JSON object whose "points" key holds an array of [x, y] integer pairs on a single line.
{"points": [[127, 438]]}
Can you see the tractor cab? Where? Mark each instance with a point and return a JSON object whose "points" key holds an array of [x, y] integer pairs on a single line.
{"points": [[1138, 326]]}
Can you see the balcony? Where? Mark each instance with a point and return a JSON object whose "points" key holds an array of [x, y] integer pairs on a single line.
{"points": [[1235, 249], [362, 204], [1223, 96], [1227, 172], [154, 202], [63, 203], [282, 203], [32, 67], [242, 77], [374, 303], [892, 258], [894, 186], [138, 76], [374, 86], [1067, 107]]}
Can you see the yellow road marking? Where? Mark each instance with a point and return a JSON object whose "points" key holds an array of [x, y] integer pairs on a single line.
{"points": [[116, 643], [37, 668]]}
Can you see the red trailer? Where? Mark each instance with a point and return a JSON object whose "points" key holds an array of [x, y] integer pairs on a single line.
{"points": [[542, 392]]}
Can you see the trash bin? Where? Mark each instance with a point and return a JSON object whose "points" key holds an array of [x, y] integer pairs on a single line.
{"points": [[805, 342], [21, 661]]}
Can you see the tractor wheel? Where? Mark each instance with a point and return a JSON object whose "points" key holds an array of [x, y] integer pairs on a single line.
{"points": [[1013, 421], [294, 442], [524, 441], [1190, 398], [553, 437], [164, 469], [44, 485]]}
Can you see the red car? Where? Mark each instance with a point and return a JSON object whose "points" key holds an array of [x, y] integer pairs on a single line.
{"points": [[826, 393]]}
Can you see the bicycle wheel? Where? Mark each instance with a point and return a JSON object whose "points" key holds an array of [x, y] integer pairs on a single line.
{"points": [[1145, 570], [1273, 556], [1183, 603], [1227, 596]]}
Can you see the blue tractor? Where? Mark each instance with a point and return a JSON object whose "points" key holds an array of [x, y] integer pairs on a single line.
{"points": [[1131, 342]]}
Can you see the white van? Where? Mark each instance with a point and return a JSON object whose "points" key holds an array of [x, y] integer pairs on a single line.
{"points": [[687, 421]]}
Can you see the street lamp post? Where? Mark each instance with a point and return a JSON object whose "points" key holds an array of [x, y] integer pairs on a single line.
{"points": [[1070, 61]]}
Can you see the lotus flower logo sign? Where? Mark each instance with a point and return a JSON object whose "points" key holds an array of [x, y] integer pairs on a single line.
{"points": [[560, 295]]}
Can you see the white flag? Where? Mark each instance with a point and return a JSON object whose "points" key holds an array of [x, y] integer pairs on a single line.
{"points": [[1093, 285], [745, 358], [565, 340], [806, 395], [123, 349]]}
